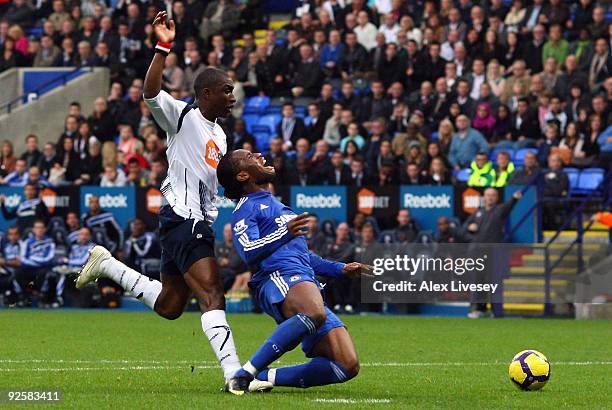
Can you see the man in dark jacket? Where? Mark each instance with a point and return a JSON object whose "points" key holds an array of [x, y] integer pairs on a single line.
{"points": [[308, 75], [28, 211]]}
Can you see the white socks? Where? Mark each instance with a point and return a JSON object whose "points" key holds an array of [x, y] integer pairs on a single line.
{"points": [[135, 284], [221, 340]]}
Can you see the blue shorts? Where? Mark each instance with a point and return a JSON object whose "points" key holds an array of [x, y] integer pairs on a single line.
{"points": [[183, 242], [270, 293]]}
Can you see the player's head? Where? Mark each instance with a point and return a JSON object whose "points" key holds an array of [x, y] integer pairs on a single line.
{"points": [[242, 171], [39, 229], [84, 235], [214, 92], [13, 234]]}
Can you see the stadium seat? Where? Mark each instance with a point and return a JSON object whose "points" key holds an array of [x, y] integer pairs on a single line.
{"points": [[589, 181], [250, 120], [300, 111], [519, 156], [494, 152], [434, 135], [256, 105], [572, 175], [271, 120], [273, 109], [263, 141], [259, 128], [463, 175]]}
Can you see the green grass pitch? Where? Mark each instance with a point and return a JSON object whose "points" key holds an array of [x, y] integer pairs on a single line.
{"points": [[137, 360]]}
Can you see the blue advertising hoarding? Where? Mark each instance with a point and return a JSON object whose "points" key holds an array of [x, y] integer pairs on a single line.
{"points": [[121, 202], [526, 233], [327, 202], [427, 203]]}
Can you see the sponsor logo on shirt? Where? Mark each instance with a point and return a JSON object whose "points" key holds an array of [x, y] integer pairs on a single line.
{"points": [[213, 154]]}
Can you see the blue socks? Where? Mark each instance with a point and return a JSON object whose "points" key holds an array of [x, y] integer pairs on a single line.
{"points": [[285, 338], [319, 371]]}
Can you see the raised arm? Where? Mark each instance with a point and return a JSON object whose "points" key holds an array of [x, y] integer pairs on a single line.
{"points": [[165, 32]]}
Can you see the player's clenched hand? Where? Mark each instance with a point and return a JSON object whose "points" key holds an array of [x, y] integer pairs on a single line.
{"points": [[164, 31], [356, 270], [298, 226]]}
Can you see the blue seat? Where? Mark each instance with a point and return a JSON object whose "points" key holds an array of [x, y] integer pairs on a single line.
{"points": [[434, 135], [250, 120], [307, 120], [271, 120], [256, 105], [572, 176], [263, 141], [519, 156], [300, 111], [589, 181], [463, 175], [273, 109], [494, 152], [259, 128]]}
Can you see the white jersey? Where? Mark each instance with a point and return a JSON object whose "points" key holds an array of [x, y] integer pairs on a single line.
{"points": [[195, 147]]}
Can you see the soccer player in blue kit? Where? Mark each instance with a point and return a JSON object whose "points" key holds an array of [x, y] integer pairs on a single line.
{"points": [[269, 238]]}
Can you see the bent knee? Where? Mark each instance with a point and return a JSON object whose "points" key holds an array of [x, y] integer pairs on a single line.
{"points": [[318, 317], [352, 368], [170, 314]]}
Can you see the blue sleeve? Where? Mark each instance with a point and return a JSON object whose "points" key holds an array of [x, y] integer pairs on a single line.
{"points": [[452, 154], [483, 146], [251, 247], [325, 267]]}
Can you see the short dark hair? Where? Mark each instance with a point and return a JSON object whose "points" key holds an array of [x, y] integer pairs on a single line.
{"points": [[209, 78], [133, 160], [226, 174]]}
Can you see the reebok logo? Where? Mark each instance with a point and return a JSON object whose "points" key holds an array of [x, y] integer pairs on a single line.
{"points": [[318, 201], [427, 201], [110, 201]]}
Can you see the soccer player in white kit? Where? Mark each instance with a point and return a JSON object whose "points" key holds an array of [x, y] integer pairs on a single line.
{"points": [[196, 143]]}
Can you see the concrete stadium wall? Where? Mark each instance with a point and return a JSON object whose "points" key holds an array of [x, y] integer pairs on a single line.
{"points": [[10, 85], [45, 116]]}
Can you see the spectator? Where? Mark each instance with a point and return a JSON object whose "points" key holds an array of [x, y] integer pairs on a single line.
{"points": [[7, 160], [234, 273], [353, 58], [32, 154], [482, 174], [47, 53], [291, 128], [365, 31], [343, 290], [438, 173], [533, 50], [486, 225], [35, 262], [340, 174], [526, 174], [140, 248], [19, 176], [330, 55], [308, 76], [503, 169], [445, 234], [556, 46], [10, 251], [484, 121], [31, 209], [113, 177], [407, 228], [465, 144], [47, 159], [73, 224], [128, 143], [316, 126], [97, 218], [556, 185], [352, 135]]}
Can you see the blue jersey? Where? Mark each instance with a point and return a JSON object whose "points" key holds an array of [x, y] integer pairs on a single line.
{"points": [[37, 253], [263, 241], [79, 254]]}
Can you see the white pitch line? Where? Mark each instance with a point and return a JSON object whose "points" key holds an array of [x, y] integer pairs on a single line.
{"points": [[103, 361], [353, 401], [162, 365]]}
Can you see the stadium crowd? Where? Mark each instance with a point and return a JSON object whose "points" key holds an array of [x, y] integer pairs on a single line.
{"points": [[357, 93]]}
